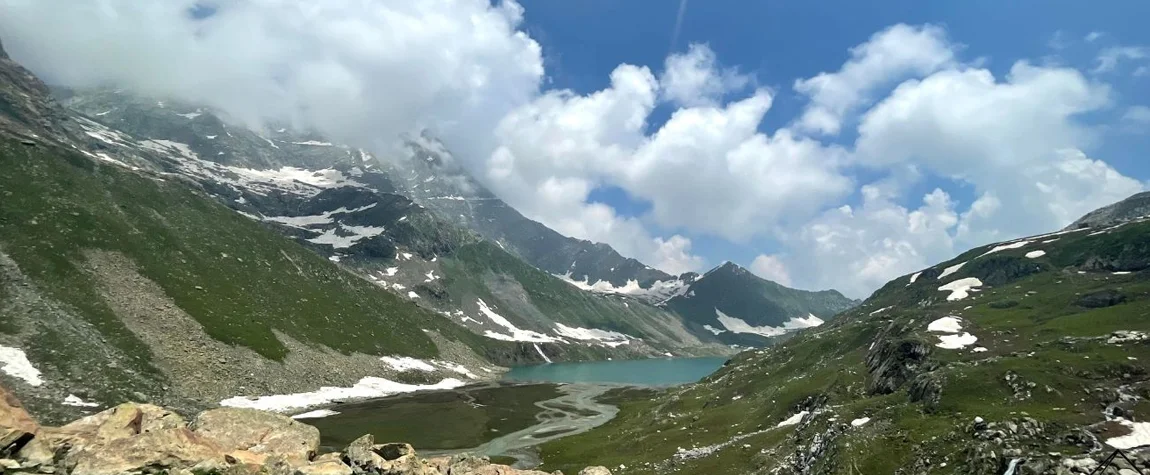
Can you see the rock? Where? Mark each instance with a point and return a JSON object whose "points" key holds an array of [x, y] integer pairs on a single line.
{"points": [[393, 451], [125, 420], [16, 426], [258, 432], [1101, 299], [245, 457], [361, 457], [277, 465], [164, 448], [326, 467], [9, 464], [595, 471]]}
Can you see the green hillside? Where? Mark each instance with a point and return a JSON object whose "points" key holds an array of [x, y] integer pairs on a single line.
{"points": [[1057, 371]]}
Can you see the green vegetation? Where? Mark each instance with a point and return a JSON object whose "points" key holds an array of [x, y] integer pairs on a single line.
{"points": [[239, 279], [1048, 357]]}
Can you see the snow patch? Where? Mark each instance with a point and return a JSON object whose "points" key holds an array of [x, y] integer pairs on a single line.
{"points": [[412, 295], [515, 333], [407, 363], [951, 270], [945, 325], [956, 342], [795, 419], [1139, 435], [16, 365], [961, 288], [541, 353], [366, 388], [74, 400], [1004, 247], [391, 271], [606, 337], [860, 422], [738, 325], [913, 277], [1035, 254], [316, 414], [713, 329], [314, 143]]}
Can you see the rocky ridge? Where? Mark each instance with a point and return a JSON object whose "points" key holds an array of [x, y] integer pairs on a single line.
{"points": [[134, 438]]}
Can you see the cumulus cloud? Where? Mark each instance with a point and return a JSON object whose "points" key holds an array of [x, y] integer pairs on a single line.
{"points": [[695, 79], [357, 71], [772, 268], [889, 55]]}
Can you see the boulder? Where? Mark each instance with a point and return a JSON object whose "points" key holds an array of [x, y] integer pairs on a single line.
{"points": [[1101, 299], [157, 449], [595, 471], [393, 450], [16, 426], [325, 467], [258, 432], [125, 420], [361, 457]]}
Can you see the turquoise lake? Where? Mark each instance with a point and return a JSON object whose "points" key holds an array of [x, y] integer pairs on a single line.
{"points": [[649, 372]]}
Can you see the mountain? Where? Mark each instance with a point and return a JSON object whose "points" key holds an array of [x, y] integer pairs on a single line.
{"points": [[1021, 357], [118, 282], [347, 205], [1134, 207], [433, 177], [742, 308], [403, 222]]}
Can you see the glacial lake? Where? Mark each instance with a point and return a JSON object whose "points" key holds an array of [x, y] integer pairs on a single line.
{"points": [[504, 420], [648, 372]]}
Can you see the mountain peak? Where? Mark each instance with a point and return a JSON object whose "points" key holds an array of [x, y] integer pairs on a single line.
{"points": [[1135, 206], [3, 54]]}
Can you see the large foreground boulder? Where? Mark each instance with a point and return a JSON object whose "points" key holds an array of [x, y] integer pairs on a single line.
{"points": [[155, 450], [16, 426], [257, 432]]}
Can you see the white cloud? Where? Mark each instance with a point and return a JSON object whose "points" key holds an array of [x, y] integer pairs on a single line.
{"points": [[1093, 36], [858, 250], [772, 268], [1016, 142], [889, 55], [1109, 58], [358, 71], [1137, 116], [696, 79]]}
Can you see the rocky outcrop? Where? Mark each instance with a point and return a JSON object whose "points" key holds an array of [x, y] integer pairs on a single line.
{"points": [[893, 361], [147, 439], [252, 435], [16, 426], [1101, 299]]}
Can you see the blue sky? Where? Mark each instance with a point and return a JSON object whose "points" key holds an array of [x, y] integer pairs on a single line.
{"points": [[780, 41]]}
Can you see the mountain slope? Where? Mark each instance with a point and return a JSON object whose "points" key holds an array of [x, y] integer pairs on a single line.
{"points": [[1130, 208], [433, 177], [344, 204], [1027, 354], [742, 308], [118, 282]]}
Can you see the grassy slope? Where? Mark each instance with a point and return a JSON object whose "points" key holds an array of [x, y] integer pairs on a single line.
{"points": [[1044, 338], [237, 278]]}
